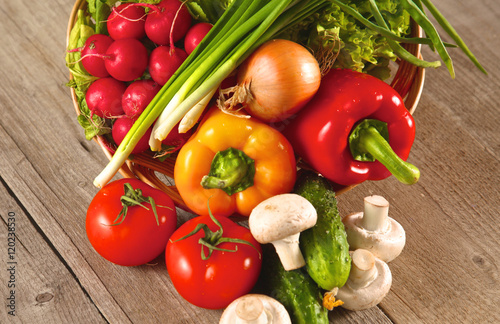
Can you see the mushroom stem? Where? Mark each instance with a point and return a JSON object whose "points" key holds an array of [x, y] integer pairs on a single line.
{"points": [[376, 214], [288, 250], [369, 281], [363, 270], [250, 311], [279, 220], [374, 230]]}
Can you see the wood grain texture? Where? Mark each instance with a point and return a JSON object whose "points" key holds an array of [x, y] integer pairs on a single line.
{"points": [[447, 273], [40, 291]]}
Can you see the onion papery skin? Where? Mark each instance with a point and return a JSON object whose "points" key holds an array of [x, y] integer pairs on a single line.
{"points": [[277, 80]]}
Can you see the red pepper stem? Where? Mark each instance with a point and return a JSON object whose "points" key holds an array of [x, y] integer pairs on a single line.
{"points": [[373, 142]]}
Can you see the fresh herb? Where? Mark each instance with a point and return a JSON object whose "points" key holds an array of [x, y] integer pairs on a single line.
{"points": [[208, 10], [81, 79], [335, 32], [376, 18], [99, 11]]}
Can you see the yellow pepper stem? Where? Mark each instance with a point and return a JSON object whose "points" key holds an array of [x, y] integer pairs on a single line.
{"points": [[231, 171]]}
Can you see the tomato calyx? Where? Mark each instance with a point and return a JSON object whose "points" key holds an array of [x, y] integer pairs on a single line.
{"points": [[212, 239], [134, 197]]}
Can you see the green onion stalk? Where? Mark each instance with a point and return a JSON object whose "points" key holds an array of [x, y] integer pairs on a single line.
{"points": [[245, 25], [417, 11]]}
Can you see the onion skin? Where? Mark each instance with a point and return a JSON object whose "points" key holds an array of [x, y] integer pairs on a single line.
{"points": [[277, 80]]}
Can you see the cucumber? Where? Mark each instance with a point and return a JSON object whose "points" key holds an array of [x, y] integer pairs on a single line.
{"points": [[295, 289], [324, 246]]}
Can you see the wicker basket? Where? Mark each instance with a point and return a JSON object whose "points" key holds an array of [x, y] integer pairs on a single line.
{"points": [[408, 81]]}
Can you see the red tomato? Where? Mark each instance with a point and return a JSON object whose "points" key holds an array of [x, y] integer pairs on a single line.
{"points": [[139, 238], [213, 283]]}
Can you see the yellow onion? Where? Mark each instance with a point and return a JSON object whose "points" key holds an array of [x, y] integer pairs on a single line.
{"points": [[277, 80]]}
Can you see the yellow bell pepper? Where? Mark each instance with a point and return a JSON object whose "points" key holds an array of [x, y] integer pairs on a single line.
{"points": [[235, 162]]}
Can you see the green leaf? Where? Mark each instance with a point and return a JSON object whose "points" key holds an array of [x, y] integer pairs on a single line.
{"points": [[78, 35], [100, 10], [208, 10], [357, 47], [92, 129]]}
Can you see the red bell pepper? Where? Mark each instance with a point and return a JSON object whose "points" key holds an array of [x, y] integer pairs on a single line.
{"points": [[355, 128]]}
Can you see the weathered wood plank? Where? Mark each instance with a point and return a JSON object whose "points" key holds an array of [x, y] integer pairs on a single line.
{"points": [[34, 291], [448, 271], [45, 208]]}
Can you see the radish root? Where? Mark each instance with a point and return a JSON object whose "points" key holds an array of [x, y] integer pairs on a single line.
{"points": [[171, 33], [119, 13]]}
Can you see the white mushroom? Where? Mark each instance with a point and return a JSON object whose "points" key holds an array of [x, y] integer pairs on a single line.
{"points": [[374, 230], [369, 282], [255, 309], [279, 220]]}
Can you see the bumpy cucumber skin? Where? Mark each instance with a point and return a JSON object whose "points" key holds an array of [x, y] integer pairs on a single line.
{"points": [[295, 289], [324, 246]]}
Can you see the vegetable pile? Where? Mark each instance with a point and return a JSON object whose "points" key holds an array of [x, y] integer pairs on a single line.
{"points": [[266, 107]]}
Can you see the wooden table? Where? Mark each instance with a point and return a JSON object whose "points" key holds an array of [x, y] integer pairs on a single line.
{"points": [[448, 272]]}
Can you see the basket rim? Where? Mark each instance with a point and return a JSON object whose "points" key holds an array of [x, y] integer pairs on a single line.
{"points": [[143, 166]]}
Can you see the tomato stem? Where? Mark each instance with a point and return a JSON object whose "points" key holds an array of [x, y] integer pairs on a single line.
{"points": [[134, 197], [212, 239]]}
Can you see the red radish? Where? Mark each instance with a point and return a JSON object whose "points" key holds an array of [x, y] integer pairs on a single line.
{"points": [[175, 138], [229, 82], [194, 36], [127, 59], [170, 24], [138, 95], [164, 61], [104, 97], [174, 141], [93, 52], [120, 129], [127, 21]]}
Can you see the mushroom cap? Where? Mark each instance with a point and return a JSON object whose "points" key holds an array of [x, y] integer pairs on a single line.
{"points": [[386, 244], [281, 216], [256, 303], [360, 298]]}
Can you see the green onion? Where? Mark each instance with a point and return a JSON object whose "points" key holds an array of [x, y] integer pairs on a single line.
{"points": [[384, 31], [265, 16], [244, 26], [453, 33], [421, 18], [396, 47], [416, 10]]}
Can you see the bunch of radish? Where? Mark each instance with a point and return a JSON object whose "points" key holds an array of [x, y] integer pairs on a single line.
{"points": [[144, 46]]}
